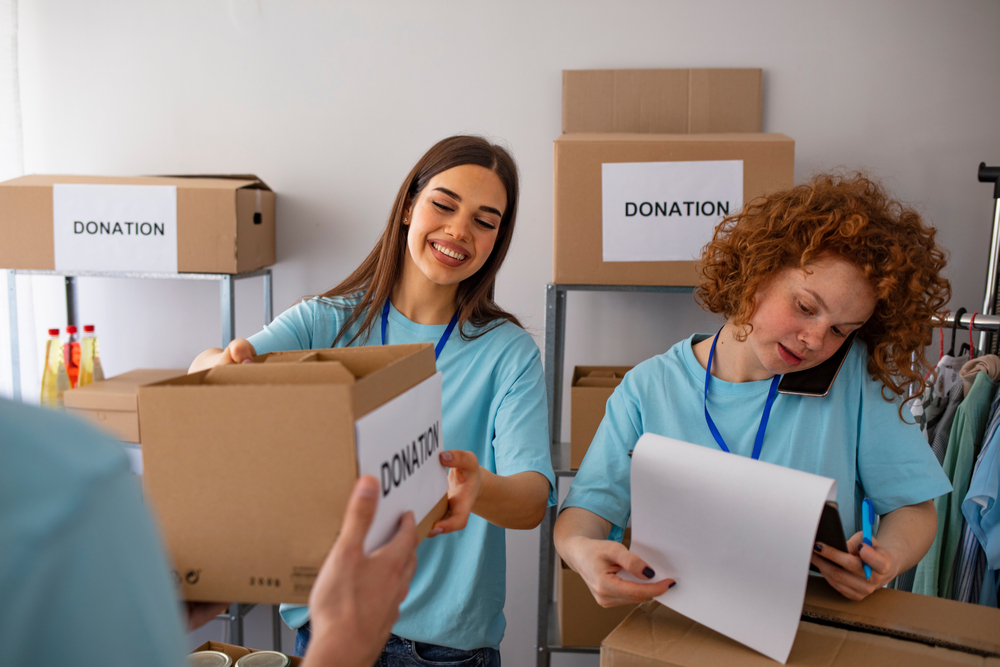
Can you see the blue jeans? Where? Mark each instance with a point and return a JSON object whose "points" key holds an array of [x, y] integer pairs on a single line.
{"points": [[399, 652]]}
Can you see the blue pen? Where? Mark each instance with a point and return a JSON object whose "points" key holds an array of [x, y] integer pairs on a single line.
{"points": [[867, 519]]}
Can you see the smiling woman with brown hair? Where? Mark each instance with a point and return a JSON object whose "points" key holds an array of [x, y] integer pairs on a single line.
{"points": [[430, 278], [794, 274]]}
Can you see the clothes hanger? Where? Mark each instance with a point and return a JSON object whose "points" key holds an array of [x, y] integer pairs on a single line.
{"points": [[954, 328]]}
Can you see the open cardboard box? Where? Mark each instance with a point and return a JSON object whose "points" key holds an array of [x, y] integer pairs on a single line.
{"points": [[237, 652], [112, 404], [249, 467], [889, 628], [591, 388]]}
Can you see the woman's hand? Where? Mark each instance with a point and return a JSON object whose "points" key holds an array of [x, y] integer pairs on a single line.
{"points": [[846, 571], [465, 482], [239, 351], [600, 561], [579, 539]]}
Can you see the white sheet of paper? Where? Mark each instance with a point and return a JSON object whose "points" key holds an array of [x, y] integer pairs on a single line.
{"points": [[665, 211], [398, 444], [735, 533], [115, 227]]}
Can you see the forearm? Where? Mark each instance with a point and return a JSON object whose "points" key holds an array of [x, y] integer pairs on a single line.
{"points": [[206, 359], [573, 527], [908, 533], [516, 501]]}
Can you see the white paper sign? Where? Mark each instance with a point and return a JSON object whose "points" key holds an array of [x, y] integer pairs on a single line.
{"points": [[115, 227], [736, 534], [398, 444], [666, 211]]}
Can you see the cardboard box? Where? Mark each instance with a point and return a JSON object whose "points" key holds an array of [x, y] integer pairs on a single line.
{"points": [[113, 403], [662, 101], [583, 622], [582, 162], [591, 388], [888, 628], [220, 224], [237, 652], [249, 467]]}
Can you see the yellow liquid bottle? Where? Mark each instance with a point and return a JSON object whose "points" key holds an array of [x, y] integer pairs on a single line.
{"points": [[90, 358], [54, 373]]}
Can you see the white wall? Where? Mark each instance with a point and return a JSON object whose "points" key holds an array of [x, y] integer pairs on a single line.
{"points": [[331, 103]]}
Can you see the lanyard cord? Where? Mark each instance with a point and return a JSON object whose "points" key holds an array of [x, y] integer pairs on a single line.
{"points": [[440, 344], [771, 395]]}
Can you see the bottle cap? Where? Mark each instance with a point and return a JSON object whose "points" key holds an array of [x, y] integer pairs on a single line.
{"points": [[71, 328], [53, 332], [88, 328]]}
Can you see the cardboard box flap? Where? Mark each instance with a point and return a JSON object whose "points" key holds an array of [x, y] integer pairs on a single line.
{"points": [[610, 382], [946, 623], [117, 393], [329, 372], [183, 182], [361, 361], [399, 373], [253, 181]]}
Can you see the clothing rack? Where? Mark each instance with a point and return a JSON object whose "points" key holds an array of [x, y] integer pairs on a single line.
{"points": [[986, 325]]}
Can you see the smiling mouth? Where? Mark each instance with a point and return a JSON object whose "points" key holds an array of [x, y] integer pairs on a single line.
{"points": [[449, 252], [790, 357]]}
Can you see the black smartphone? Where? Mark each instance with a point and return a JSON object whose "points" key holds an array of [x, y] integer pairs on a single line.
{"points": [[830, 531], [818, 380]]}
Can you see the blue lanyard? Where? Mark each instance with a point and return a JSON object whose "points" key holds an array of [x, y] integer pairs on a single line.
{"points": [[771, 395], [444, 336]]}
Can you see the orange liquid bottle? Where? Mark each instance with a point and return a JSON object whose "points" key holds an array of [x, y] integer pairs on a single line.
{"points": [[71, 355]]}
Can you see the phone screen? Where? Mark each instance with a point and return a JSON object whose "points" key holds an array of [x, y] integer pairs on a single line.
{"points": [[818, 380]]}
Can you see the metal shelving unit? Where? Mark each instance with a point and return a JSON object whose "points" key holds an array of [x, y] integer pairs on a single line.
{"points": [[548, 640], [237, 612]]}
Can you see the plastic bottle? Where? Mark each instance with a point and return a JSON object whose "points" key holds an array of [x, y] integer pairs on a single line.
{"points": [[71, 355], [90, 358], [54, 378]]}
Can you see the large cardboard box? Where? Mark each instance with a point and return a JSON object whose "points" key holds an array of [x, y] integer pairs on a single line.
{"points": [[113, 404], [888, 628], [249, 467], [583, 622], [237, 652], [623, 197], [591, 388], [196, 224], [662, 101]]}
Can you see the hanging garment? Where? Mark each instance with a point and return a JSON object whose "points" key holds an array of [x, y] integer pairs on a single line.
{"points": [[982, 512], [935, 572], [942, 431], [927, 411], [972, 561], [988, 363]]}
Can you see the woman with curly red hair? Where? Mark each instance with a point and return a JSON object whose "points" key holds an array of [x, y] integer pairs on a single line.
{"points": [[794, 274]]}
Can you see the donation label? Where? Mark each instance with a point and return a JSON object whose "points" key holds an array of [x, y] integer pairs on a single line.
{"points": [[398, 444], [115, 227], [666, 211]]}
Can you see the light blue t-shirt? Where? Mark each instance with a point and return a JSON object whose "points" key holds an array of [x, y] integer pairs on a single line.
{"points": [[493, 403], [83, 577], [852, 435]]}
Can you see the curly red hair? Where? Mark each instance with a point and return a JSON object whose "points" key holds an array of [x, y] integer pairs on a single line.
{"points": [[851, 216]]}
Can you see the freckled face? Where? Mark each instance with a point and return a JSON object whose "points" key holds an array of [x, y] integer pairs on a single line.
{"points": [[454, 223], [803, 318]]}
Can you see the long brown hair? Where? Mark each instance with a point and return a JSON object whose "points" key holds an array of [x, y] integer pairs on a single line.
{"points": [[383, 267]]}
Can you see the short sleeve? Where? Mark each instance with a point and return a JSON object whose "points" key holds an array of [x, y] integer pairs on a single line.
{"points": [[896, 467], [603, 483], [521, 429], [292, 330]]}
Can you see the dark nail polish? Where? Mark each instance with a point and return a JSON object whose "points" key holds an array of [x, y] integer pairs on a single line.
{"points": [[817, 547], [648, 572], [671, 585]]}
